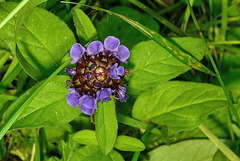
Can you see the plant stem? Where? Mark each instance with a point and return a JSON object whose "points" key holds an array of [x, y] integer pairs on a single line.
{"points": [[234, 42], [143, 138], [218, 76], [157, 17], [15, 11], [224, 149]]}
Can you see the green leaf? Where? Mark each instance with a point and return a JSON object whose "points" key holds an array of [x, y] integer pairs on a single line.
{"points": [[190, 150], [179, 105], [112, 25], [86, 137], [150, 64], [106, 126], [174, 50], [49, 107], [94, 154], [43, 40], [85, 29], [127, 143], [219, 156], [7, 32]]}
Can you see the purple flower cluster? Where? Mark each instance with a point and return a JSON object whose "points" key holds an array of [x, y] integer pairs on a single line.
{"points": [[110, 49]]}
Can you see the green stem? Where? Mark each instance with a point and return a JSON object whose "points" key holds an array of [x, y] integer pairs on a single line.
{"points": [[170, 8], [224, 149], [234, 42], [218, 76], [12, 14], [224, 19], [5, 127], [186, 17], [157, 17], [143, 138]]}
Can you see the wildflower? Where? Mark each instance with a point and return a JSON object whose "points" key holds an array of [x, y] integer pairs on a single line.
{"points": [[98, 74]]}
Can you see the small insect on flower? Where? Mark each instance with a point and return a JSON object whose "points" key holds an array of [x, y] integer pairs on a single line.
{"points": [[98, 74]]}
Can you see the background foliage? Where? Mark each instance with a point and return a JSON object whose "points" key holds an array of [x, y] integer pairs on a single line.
{"points": [[183, 81]]}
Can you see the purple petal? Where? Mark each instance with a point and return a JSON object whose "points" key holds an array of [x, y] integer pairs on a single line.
{"points": [[73, 98], [122, 93], [111, 43], [71, 71], [120, 71], [76, 52], [114, 71], [94, 48], [88, 104], [123, 54], [104, 94], [86, 110]]}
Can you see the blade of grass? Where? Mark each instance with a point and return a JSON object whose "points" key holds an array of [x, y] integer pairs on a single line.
{"points": [[7, 97], [13, 13], [212, 23], [224, 23], [186, 17], [9, 122], [235, 42], [224, 149], [4, 59], [176, 5], [218, 75], [158, 17], [13, 70]]}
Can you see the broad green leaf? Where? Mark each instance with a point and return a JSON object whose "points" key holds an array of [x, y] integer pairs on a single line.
{"points": [[85, 29], [43, 40], [86, 137], [112, 25], [7, 32], [151, 65], [174, 50], [106, 126], [179, 105], [127, 143], [190, 150], [49, 107], [94, 154]]}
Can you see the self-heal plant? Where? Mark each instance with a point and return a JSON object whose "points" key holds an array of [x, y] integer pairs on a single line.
{"points": [[98, 74]]}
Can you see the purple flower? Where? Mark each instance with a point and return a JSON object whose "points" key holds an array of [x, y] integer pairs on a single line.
{"points": [[88, 104], [116, 71], [123, 54], [104, 94], [71, 71], [94, 48], [73, 97], [77, 51], [111, 43], [122, 93]]}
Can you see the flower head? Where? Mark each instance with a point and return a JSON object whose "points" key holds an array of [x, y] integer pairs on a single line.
{"points": [[98, 74]]}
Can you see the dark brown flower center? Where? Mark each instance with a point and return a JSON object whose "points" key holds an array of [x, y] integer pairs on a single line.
{"points": [[93, 74]]}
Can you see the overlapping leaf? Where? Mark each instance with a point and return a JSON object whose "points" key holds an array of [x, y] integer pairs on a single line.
{"points": [[179, 105], [150, 64], [106, 126]]}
